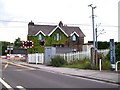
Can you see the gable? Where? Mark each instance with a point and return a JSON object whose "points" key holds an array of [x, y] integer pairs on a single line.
{"points": [[36, 29], [56, 29], [74, 33], [39, 33], [73, 30]]}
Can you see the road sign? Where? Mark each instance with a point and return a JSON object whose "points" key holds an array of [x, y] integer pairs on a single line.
{"points": [[27, 44], [9, 47], [112, 53]]}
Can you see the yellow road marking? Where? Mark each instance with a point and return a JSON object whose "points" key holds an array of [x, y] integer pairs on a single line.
{"points": [[19, 65], [6, 65]]}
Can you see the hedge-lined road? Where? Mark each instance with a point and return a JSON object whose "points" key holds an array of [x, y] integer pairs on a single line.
{"points": [[21, 77]]}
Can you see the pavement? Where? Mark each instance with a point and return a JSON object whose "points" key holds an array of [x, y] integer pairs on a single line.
{"points": [[104, 75]]}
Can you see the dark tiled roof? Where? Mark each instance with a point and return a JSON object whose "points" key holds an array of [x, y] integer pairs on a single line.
{"points": [[69, 30], [19, 51], [46, 29]]}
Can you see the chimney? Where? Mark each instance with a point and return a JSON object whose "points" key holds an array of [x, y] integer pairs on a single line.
{"points": [[31, 23], [60, 24]]}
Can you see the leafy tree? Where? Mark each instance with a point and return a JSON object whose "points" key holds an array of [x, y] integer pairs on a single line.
{"points": [[4, 46], [103, 45], [117, 52], [17, 43]]}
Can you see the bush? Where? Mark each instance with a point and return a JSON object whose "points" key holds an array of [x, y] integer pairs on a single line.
{"points": [[81, 64], [57, 61], [117, 52], [87, 64], [106, 65]]}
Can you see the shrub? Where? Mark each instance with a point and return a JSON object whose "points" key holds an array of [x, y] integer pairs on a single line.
{"points": [[81, 64], [87, 64], [57, 61], [117, 52], [106, 65]]}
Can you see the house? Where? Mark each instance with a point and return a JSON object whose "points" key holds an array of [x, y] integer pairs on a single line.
{"points": [[20, 51], [55, 35]]}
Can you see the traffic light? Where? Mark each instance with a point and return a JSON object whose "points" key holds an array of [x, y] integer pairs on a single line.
{"points": [[27, 44]]}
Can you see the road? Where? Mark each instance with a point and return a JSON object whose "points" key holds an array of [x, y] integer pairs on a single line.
{"points": [[20, 77]]}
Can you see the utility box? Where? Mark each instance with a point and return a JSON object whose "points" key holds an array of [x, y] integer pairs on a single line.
{"points": [[49, 53]]}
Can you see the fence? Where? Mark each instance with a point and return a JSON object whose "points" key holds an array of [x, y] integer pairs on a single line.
{"points": [[81, 55], [22, 57], [75, 56], [36, 58], [104, 52]]}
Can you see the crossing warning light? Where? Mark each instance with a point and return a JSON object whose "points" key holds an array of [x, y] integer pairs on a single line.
{"points": [[27, 44]]}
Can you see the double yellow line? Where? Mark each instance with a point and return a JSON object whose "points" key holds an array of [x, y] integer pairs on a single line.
{"points": [[19, 65]]}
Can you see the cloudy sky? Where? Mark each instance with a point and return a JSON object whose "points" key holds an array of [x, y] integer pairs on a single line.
{"points": [[15, 15]]}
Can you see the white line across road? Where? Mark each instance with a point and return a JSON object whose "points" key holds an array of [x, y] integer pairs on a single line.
{"points": [[9, 87], [5, 84], [20, 87]]}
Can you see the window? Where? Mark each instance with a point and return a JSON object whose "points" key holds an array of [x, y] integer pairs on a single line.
{"points": [[42, 43], [40, 37], [58, 36], [74, 37], [54, 37]]}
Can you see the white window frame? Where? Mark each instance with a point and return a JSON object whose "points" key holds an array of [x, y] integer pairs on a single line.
{"points": [[74, 37], [40, 37]]}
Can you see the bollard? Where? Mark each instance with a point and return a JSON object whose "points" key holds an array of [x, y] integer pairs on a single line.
{"points": [[116, 65], [100, 64]]}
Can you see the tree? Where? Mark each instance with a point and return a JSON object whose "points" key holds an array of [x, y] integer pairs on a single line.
{"points": [[17, 43], [117, 52], [4, 47]]}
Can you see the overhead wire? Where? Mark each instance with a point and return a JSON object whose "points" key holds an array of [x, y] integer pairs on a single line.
{"points": [[17, 21]]}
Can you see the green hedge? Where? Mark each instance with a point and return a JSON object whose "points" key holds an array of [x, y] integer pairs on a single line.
{"points": [[57, 61]]}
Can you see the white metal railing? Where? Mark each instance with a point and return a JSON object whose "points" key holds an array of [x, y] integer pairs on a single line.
{"points": [[116, 66], [100, 64]]}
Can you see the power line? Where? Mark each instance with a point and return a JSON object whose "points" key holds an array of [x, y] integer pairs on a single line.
{"points": [[52, 23], [13, 21]]}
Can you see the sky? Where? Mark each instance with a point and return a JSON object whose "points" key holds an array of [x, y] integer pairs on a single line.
{"points": [[15, 15]]}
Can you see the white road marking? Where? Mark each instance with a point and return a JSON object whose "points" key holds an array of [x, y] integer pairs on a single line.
{"points": [[18, 70], [5, 84], [20, 87]]}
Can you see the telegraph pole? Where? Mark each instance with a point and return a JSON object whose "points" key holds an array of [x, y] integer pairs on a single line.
{"points": [[93, 16], [96, 45], [91, 5]]}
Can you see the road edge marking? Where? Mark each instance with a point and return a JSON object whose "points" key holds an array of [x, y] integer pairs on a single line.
{"points": [[19, 65], [4, 83]]}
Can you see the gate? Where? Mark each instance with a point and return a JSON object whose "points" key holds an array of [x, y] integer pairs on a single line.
{"points": [[36, 58]]}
